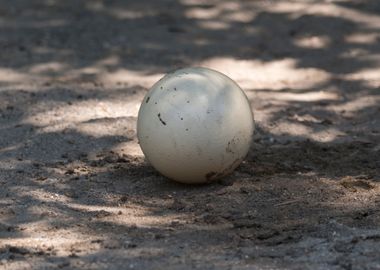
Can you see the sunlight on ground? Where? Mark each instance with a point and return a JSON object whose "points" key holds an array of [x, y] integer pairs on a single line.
{"points": [[273, 75], [85, 116], [291, 81], [304, 131], [302, 97], [9, 75], [362, 38], [222, 14], [134, 215], [326, 9], [77, 192], [130, 147], [249, 74], [352, 107], [48, 67], [62, 117], [130, 77], [370, 76], [313, 42]]}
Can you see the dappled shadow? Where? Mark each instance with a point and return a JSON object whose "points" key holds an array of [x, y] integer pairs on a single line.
{"points": [[72, 76]]}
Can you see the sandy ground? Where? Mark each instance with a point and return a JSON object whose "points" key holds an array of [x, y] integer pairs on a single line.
{"points": [[75, 191]]}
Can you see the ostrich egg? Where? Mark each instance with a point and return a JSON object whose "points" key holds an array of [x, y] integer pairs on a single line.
{"points": [[195, 125]]}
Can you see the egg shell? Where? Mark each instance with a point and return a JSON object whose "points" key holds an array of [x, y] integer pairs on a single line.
{"points": [[195, 125]]}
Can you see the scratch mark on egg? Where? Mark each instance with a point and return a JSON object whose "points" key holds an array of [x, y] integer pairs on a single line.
{"points": [[162, 121]]}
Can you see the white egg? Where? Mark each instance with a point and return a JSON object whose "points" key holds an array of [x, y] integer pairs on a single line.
{"points": [[195, 125]]}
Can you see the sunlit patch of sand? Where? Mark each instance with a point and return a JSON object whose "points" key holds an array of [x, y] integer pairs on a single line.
{"points": [[48, 67], [227, 12], [301, 130], [362, 38], [313, 42], [130, 77], [130, 147], [274, 75], [302, 8], [358, 104], [301, 97], [79, 112], [12, 76]]}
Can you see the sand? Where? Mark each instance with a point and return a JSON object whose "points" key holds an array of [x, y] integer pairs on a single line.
{"points": [[76, 192]]}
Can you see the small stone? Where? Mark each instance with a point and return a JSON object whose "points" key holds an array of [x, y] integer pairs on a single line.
{"points": [[244, 190], [18, 250], [70, 171], [102, 214]]}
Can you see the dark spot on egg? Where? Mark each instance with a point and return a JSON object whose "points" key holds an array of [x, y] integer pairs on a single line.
{"points": [[147, 100], [162, 121]]}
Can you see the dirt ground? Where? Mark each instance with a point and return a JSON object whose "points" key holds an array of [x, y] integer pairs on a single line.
{"points": [[75, 191]]}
